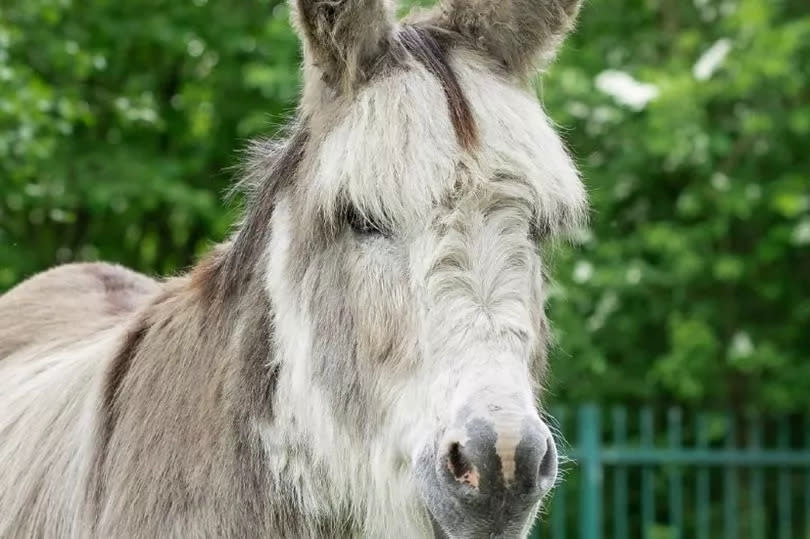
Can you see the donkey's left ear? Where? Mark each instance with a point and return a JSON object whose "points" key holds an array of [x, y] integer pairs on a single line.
{"points": [[518, 34], [344, 38]]}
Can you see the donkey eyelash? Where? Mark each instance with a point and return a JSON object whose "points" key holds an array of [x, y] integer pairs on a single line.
{"points": [[364, 224]]}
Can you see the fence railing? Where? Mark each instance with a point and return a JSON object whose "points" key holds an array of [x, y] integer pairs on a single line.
{"points": [[704, 476]]}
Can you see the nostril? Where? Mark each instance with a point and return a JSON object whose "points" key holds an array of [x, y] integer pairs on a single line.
{"points": [[547, 473], [536, 459], [460, 465]]}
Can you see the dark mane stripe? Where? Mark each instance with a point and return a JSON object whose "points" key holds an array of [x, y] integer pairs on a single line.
{"points": [[109, 412], [430, 50], [227, 271]]}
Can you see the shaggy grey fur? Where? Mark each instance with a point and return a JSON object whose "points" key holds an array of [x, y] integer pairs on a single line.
{"points": [[286, 386]]}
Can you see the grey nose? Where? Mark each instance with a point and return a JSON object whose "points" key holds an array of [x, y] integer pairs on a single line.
{"points": [[487, 478], [502, 456]]}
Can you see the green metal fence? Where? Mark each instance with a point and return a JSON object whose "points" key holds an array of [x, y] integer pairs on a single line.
{"points": [[699, 475]]}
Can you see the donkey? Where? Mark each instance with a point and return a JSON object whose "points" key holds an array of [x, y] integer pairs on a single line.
{"points": [[362, 357]]}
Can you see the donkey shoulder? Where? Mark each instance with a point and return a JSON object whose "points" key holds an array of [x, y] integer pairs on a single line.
{"points": [[69, 303]]}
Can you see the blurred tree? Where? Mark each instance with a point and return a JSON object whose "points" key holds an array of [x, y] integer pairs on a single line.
{"points": [[118, 121], [691, 121]]}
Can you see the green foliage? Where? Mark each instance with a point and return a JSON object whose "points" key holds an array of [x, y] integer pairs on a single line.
{"points": [[694, 282], [119, 122]]}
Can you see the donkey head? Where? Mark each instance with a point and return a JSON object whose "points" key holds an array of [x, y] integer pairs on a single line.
{"points": [[404, 267]]}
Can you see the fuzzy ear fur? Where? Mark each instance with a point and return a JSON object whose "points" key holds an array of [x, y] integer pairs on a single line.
{"points": [[344, 38], [516, 33]]}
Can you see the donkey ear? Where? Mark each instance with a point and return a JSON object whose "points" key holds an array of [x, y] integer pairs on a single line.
{"points": [[344, 38], [516, 33]]}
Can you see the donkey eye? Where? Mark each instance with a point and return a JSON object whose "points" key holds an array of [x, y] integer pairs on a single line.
{"points": [[363, 224]]}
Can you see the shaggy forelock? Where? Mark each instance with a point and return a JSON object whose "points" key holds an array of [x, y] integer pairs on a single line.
{"points": [[399, 147]]}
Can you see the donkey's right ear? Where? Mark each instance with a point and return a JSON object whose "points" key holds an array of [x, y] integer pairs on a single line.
{"points": [[344, 39], [519, 34]]}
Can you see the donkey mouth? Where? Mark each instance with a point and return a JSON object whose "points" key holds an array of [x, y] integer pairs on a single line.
{"points": [[483, 533]]}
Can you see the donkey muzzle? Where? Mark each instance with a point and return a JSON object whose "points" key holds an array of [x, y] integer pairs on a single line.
{"points": [[487, 478]]}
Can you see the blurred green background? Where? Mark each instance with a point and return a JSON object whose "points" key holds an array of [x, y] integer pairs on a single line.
{"points": [[120, 124]]}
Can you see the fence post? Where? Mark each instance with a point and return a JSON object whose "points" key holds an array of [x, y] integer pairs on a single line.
{"points": [[590, 442]]}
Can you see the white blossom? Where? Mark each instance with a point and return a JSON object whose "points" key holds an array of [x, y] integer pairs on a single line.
{"points": [[625, 89], [712, 59], [741, 345], [801, 234], [583, 272]]}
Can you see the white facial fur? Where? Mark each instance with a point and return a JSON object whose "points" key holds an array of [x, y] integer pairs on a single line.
{"points": [[459, 277]]}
